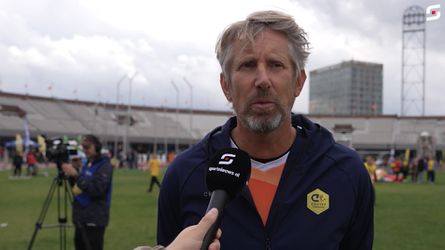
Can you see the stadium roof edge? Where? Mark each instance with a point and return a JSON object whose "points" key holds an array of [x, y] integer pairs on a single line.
{"points": [[112, 106], [393, 116]]}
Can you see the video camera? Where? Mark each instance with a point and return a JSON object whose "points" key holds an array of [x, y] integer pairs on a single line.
{"points": [[61, 150]]}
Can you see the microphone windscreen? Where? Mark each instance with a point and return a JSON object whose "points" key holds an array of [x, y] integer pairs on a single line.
{"points": [[229, 170]]}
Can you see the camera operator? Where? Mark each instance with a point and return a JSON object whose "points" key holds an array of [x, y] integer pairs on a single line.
{"points": [[92, 195]]}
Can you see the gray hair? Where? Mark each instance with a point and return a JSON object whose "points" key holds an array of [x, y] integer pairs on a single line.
{"points": [[254, 24]]}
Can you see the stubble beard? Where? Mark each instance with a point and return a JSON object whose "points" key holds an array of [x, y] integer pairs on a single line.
{"points": [[262, 122]]}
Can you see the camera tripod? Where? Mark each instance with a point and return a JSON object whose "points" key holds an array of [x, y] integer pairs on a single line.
{"points": [[64, 195]]}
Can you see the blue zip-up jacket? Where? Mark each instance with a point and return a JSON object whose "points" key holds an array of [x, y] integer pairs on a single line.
{"points": [[92, 206], [298, 219]]}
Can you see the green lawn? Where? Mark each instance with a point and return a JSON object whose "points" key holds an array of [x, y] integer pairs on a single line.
{"points": [[408, 216], [133, 212]]}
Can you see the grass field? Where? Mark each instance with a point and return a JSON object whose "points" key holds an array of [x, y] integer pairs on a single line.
{"points": [[133, 212], [408, 216]]}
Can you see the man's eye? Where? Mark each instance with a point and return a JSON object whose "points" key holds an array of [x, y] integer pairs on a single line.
{"points": [[247, 65], [277, 65]]}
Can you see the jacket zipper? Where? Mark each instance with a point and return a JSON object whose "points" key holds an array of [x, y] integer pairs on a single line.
{"points": [[268, 244]]}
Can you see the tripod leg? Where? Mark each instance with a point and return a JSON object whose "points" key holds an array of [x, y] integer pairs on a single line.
{"points": [[63, 220], [43, 212], [62, 217], [59, 182], [63, 237]]}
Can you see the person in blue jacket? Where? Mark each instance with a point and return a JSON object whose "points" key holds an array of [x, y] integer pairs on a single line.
{"points": [[92, 195], [305, 190]]}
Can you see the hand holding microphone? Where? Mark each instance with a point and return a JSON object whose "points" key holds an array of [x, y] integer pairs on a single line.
{"points": [[191, 237], [227, 175]]}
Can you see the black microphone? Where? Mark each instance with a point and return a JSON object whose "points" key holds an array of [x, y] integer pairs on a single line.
{"points": [[228, 173]]}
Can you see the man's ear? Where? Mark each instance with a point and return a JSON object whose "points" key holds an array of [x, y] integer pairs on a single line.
{"points": [[225, 86], [300, 82]]}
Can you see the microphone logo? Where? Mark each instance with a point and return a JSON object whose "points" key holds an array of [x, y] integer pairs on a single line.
{"points": [[227, 159]]}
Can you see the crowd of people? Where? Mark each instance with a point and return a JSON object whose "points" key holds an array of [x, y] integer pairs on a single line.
{"points": [[30, 159], [397, 169], [386, 169], [33, 160]]}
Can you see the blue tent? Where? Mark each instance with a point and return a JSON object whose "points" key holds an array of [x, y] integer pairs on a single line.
{"points": [[11, 144]]}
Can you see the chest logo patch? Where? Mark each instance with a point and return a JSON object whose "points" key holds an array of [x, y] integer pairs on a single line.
{"points": [[318, 201]]}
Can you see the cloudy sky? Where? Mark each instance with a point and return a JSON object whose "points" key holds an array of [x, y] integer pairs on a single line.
{"points": [[82, 48]]}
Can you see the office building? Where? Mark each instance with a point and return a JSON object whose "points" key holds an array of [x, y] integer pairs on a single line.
{"points": [[347, 88]]}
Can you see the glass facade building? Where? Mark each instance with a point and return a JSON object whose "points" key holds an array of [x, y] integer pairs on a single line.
{"points": [[347, 88]]}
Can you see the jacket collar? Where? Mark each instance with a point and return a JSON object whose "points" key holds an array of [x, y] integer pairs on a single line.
{"points": [[311, 143]]}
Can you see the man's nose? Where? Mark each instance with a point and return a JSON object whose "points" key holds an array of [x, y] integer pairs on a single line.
{"points": [[262, 79]]}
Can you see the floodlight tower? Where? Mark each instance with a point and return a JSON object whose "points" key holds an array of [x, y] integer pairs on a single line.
{"points": [[413, 61], [116, 114], [177, 117], [191, 110]]}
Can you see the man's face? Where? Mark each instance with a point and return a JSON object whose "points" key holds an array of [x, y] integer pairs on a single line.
{"points": [[262, 83], [89, 149]]}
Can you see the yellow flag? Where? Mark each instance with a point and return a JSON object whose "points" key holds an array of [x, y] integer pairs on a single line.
{"points": [[42, 144], [406, 159], [18, 144]]}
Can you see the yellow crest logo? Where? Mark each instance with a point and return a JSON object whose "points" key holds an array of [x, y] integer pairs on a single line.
{"points": [[318, 201]]}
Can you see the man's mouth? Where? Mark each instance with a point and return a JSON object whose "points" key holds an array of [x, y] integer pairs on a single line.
{"points": [[263, 104]]}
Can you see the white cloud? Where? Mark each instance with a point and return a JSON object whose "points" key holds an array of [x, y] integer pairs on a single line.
{"points": [[89, 45]]}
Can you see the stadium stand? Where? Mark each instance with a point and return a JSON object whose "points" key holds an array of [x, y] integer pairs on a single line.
{"points": [[57, 117]]}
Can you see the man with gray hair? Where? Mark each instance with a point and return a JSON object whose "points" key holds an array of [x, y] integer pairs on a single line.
{"points": [[305, 191]]}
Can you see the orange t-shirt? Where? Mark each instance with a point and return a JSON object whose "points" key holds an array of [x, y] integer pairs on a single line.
{"points": [[263, 184]]}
